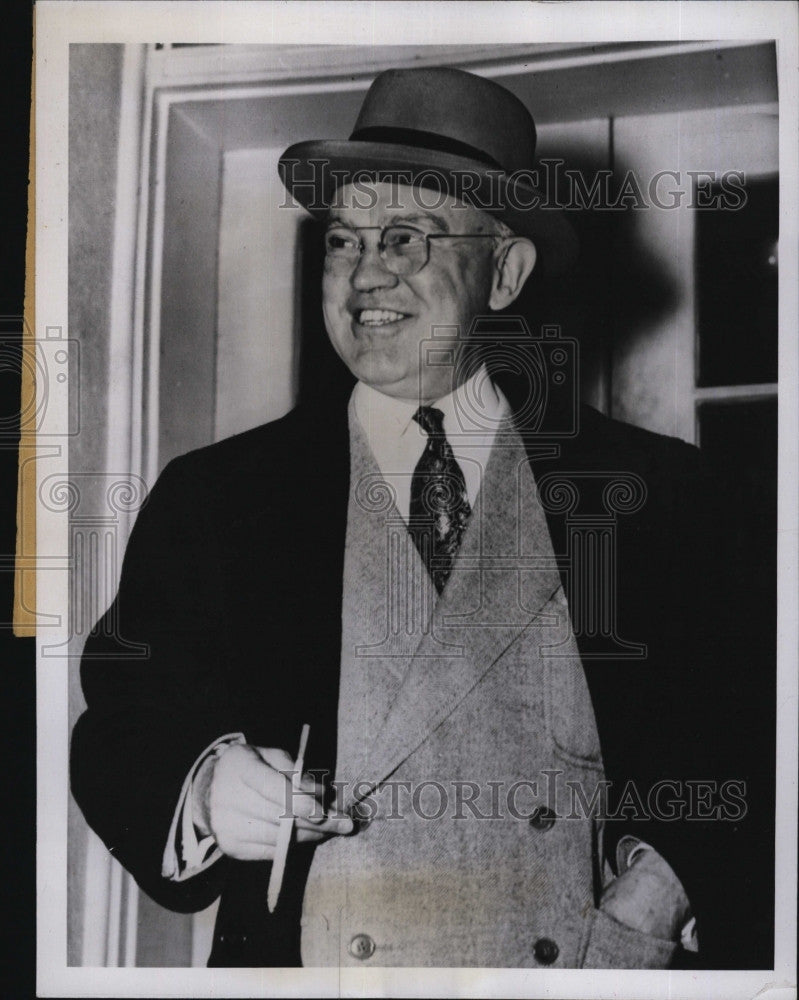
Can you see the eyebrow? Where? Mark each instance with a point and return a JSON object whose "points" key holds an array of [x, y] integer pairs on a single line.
{"points": [[421, 217], [395, 220]]}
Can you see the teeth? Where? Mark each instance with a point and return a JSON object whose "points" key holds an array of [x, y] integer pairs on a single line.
{"points": [[377, 317]]}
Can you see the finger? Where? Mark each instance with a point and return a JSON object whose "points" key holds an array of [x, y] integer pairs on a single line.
{"points": [[280, 761], [302, 805], [258, 773], [275, 769], [256, 850], [262, 776], [311, 824], [277, 787], [249, 805], [315, 786], [240, 797], [276, 798], [247, 816], [253, 850], [258, 811], [243, 835], [340, 826], [276, 758], [270, 784], [256, 841], [337, 824], [309, 836], [239, 763]]}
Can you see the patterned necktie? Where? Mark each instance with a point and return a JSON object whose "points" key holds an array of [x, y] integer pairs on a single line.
{"points": [[439, 507]]}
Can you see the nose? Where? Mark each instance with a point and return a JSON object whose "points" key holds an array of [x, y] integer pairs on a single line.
{"points": [[370, 271]]}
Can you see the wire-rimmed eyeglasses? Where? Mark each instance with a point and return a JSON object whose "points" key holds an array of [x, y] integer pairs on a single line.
{"points": [[404, 249]]}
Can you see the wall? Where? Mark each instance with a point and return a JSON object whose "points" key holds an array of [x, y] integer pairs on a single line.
{"points": [[257, 359], [94, 105], [95, 891]]}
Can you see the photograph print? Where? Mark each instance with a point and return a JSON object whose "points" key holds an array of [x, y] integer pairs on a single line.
{"points": [[422, 505]]}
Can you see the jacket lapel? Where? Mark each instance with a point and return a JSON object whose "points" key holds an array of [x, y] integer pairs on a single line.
{"points": [[503, 575]]}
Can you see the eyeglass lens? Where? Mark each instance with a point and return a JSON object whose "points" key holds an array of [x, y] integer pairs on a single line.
{"points": [[403, 249]]}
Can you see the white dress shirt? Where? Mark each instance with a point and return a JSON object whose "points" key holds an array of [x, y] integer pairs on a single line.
{"points": [[472, 415]]}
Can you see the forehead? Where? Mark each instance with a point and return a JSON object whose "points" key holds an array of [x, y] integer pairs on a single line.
{"points": [[379, 203]]}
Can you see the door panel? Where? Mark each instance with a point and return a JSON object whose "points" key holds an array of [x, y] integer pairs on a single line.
{"points": [[653, 370]]}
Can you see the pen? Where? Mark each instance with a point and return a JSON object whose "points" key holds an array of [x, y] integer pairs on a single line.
{"points": [[284, 832]]}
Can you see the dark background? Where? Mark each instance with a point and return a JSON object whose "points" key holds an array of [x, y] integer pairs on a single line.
{"points": [[17, 656]]}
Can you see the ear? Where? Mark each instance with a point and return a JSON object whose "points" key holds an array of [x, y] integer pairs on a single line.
{"points": [[513, 265]]}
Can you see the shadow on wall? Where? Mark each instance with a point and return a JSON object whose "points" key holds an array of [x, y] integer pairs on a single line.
{"points": [[617, 289]]}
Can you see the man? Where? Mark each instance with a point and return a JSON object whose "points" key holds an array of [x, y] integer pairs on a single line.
{"points": [[405, 571]]}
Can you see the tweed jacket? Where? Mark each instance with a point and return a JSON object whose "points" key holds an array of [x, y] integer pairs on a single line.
{"points": [[232, 582], [480, 696]]}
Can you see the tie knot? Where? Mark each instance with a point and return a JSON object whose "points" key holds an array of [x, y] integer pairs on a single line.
{"points": [[430, 420]]}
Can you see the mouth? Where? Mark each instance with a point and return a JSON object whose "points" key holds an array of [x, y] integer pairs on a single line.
{"points": [[374, 318]]}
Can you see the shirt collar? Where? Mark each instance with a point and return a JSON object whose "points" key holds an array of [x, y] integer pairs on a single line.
{"points": [[475, 407]]}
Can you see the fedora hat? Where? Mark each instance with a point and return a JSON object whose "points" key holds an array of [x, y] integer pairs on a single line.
{"points": [[444, 128]]}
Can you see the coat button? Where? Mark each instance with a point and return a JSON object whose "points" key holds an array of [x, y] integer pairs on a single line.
{"points": [[361, 815], [362, 947], [545, 951], [543, 818]]}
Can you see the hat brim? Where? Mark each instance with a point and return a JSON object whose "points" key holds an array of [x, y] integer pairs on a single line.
{"points": [[311, 172]]}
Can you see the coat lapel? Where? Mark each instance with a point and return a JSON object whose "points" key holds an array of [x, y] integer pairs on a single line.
{"points": [[503, 575]]}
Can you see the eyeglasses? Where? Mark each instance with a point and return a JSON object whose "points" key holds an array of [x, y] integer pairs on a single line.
{"points": [[404, 250]]}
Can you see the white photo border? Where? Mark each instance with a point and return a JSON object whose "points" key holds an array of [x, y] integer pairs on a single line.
{"points": [[413, 23]]}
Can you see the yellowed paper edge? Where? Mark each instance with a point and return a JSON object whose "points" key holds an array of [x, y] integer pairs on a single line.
{"points": [[24, 613]]}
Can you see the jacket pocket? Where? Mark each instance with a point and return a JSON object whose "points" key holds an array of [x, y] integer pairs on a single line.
{"points": [[611, 945], [567, 702]]}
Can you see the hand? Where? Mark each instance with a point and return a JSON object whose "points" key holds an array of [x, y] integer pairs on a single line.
{"points": [[648, 897], [247, 796]]}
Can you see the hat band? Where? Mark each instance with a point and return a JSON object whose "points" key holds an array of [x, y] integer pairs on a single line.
{"points": [[423, 140]]}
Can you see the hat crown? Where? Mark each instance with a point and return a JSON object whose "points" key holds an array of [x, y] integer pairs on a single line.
{"points": [[472, 136], [449, 106]]}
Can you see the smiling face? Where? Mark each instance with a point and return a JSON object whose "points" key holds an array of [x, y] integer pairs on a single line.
{"points": [[378, 321]]}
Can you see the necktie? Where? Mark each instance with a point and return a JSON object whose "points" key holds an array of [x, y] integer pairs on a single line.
{"points": [[439, 507]]}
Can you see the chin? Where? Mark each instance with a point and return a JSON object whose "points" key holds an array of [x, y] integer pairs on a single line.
{"points": [[388, 386], [380, 376]]}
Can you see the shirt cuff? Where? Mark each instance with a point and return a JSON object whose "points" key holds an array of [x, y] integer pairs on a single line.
{"points": [[188, 851], [627, 850]]}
